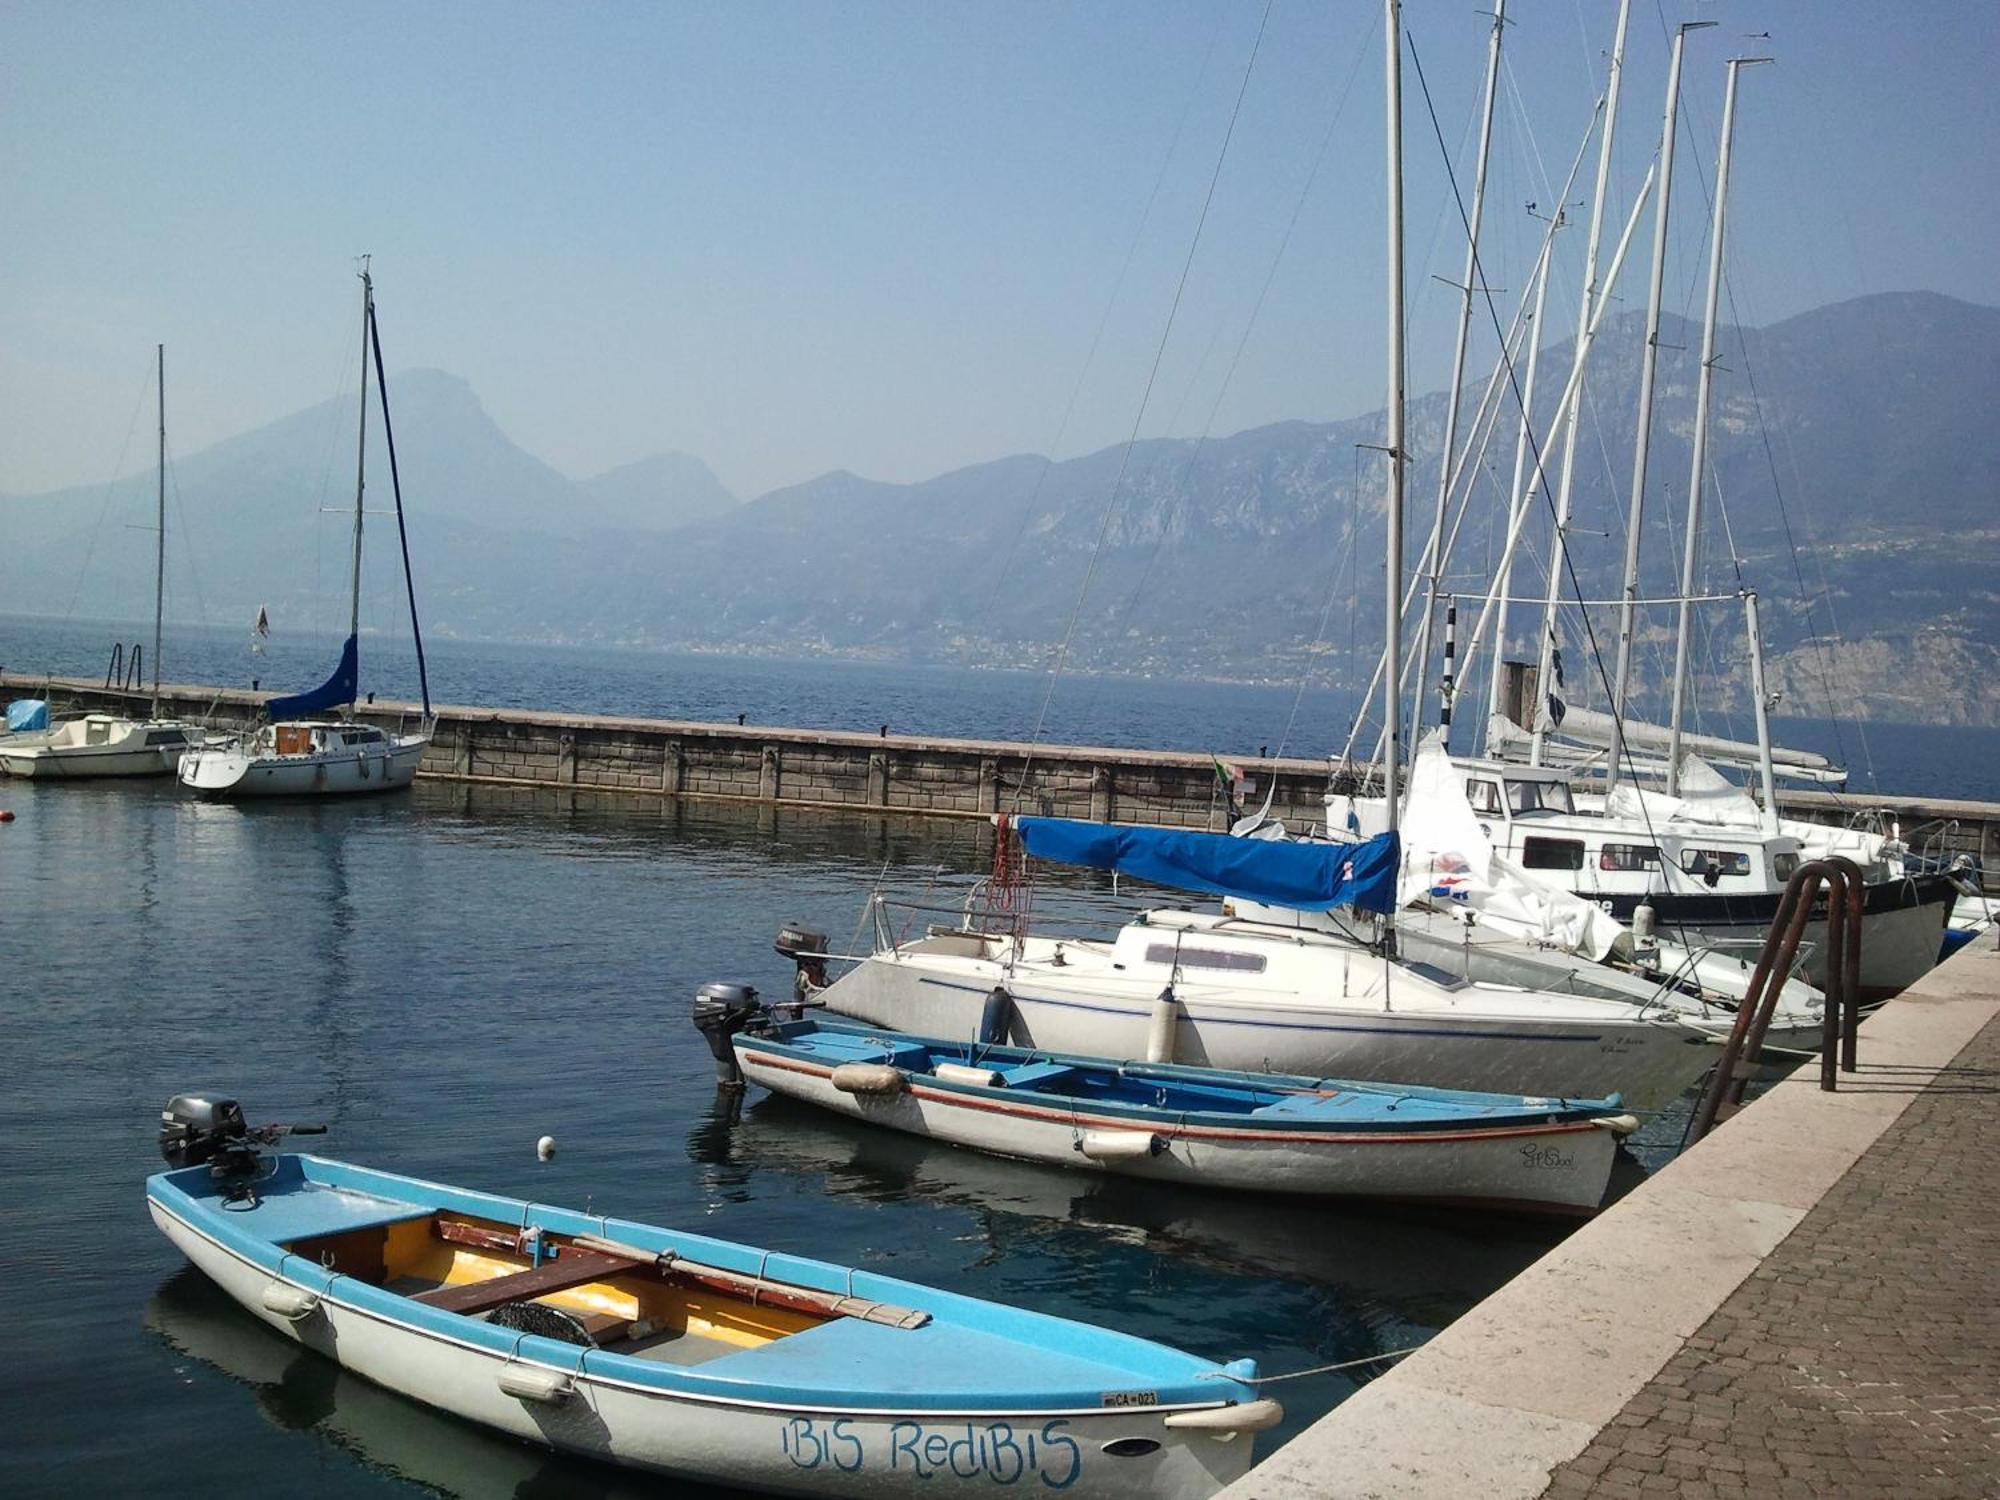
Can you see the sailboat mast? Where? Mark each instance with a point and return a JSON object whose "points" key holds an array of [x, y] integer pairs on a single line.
{"points": [[160, 519], [360, 458], [1766, 771], [1649, 362], [1392, 593], [1691, 542], [1565, 486], [1434, 556], [1518, 493]]}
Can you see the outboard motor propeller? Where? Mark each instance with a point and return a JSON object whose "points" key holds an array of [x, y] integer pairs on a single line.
{"points": [[807, 950], [208, 1129], [721, 1010]]}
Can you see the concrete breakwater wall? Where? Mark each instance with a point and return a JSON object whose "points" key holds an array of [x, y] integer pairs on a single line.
{"points": [[916, 774]]}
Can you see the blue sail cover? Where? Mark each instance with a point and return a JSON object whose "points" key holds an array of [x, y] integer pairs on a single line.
{"points": [[1302, 876], [339, 688], [27, 713]]}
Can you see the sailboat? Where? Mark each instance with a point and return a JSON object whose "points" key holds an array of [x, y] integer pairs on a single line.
{"points": [[303, 751], [107, 744], [1224, 991], [1703, 860]]}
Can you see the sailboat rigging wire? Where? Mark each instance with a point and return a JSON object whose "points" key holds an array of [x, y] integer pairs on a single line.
{"points": [[1125, 458], [396, 484], [1256, 310], [104, 508], [180, 513], [1103, 321], [1557, 548]]}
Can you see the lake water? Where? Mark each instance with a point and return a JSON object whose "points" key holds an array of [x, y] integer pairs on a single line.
{"points": [[446, 974], [443, 976]]}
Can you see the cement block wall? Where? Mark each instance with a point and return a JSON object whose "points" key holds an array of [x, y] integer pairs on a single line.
{"points": [[913, 774]]}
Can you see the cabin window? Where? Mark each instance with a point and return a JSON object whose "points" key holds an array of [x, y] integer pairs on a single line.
{"points": [[1205, 958], [1552, 854], [1539, 796], [166, 737], [1728, 861], [1784, 865], [1629, 857], [1483, 795], [364, 736]]}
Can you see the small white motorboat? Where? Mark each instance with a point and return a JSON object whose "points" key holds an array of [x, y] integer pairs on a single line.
{"points": [[99, 745], [683, 1355]]}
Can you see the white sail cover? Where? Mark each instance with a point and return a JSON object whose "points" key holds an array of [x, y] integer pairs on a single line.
{"points": [[1599, 731], [1448, 860]]}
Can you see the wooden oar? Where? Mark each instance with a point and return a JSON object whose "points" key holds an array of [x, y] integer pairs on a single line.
{"points": [[784, 1294]]}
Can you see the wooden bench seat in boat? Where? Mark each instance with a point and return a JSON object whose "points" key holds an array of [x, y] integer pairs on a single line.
{"points": [[1035, 1075], [571, 1268]]}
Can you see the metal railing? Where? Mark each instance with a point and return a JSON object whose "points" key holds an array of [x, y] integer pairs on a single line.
{"points": [[1841, 880]]}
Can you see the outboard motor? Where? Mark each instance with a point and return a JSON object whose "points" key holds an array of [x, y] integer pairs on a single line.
{"points": [[721, 1010], [209, 1129], [197, 1128], [807, 950]]}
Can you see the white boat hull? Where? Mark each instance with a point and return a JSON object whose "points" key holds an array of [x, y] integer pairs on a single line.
{"points": [[40, 762], [232, 772], [98, 745], [1564, 1167], [1481, 1043], [821, 1451]]}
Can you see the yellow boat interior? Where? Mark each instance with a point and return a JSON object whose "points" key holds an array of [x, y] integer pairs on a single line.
{"points": [[576, 1288]]}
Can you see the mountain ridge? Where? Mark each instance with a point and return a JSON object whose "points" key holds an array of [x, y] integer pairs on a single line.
{"points": [[1856, 475]]}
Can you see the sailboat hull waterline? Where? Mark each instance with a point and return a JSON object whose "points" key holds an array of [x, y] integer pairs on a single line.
{"points": [[800, 1382]]}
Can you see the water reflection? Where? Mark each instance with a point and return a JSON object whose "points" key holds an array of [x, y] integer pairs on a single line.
{"points": [[299, 1391]]}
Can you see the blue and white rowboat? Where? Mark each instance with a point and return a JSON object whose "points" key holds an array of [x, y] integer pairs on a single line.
{"points": [[1265, 1132], [695, 1357]]}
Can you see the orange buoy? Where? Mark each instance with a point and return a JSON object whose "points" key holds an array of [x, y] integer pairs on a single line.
{"points": [[6, 814]]}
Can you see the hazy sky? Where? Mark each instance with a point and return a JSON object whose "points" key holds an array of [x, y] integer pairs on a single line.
{"points": [[884, 237]]}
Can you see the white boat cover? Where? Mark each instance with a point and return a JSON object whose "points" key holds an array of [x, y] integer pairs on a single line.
{"points": [[1447, 859]]}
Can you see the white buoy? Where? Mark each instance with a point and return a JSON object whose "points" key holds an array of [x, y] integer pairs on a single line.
{"points": [[545, 1148]]}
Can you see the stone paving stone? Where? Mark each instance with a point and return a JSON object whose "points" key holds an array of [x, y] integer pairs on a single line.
{"points": [[1862, 1359]]}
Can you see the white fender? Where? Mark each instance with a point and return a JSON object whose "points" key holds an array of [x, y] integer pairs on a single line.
{"points": [[986, 1078], [289, 1302], [1226, 1421], [533, 1383], [869, 1078], [1120, 1145]]}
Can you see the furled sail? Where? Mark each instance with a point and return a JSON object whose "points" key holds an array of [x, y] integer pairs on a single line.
{"points": [[337, 689], [1586, 726], [1301, 876]]}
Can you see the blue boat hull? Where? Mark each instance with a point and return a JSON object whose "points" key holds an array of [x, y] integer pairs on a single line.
{"points": [[979, 1395]]}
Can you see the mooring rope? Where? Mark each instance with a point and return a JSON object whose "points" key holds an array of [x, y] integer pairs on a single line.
{"points": [[1345, 1364]]}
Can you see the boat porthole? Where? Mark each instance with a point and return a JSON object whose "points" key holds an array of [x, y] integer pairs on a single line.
{"points": [[1132, 1447]]}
